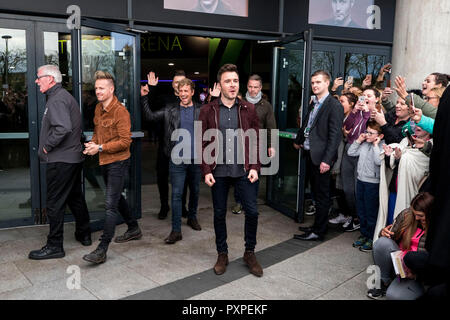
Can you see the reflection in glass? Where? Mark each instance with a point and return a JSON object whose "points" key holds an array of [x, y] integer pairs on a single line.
{"points": [[323, 60], [15, 192], [359, 65], [295, 80], [57, 50], [285, 182]]}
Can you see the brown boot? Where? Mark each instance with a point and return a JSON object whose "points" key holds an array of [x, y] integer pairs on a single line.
{"points": [[221, 265], [252, 264], [173, 237]]}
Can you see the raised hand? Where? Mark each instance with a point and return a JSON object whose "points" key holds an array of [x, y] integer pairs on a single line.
{"points": [[367, 82], [215, 92], [337, 83], [362, 137], [417, 115], [144, 90], [152, 80], [400, 87], [387, 150], [386, 93]]}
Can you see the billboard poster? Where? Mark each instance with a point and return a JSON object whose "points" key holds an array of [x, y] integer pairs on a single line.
{"points": [[226, 7], [342, 13]]}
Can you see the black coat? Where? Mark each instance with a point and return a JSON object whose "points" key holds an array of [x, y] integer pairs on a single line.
{"points": [[438, 238], [326, 131], [169, 117]]}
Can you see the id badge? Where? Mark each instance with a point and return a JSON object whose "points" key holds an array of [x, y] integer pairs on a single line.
{"points": [[306, 132]]}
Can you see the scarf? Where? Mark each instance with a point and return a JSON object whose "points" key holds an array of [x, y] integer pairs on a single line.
{"points": [[253, 100]]}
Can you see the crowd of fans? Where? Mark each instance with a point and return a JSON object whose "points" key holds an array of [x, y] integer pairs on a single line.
{"points": [[382, 170]]}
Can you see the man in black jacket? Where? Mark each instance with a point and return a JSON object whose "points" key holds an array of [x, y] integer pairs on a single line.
{"points": [[60, 148], [159, 102], [319, 137], [182, 166]]}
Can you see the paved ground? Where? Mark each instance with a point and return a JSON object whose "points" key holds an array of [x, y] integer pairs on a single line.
{"points": [[150, 269]]}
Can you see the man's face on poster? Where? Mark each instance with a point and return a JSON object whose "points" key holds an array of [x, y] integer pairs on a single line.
{"points": [[342, 9], [209, 5]]}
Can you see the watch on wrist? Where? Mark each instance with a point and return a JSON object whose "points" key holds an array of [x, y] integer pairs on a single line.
{"points": [[100, 148]]}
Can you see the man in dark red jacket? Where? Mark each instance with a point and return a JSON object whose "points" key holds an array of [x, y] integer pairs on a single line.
{"points": [[238, 165]]}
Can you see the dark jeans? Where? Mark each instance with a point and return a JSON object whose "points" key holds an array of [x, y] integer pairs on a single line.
{"points": [[162, 179], [64, 187], [320, 185], [348, 175], [367, 202], [179, 175], [114, 175], [249, 194]]}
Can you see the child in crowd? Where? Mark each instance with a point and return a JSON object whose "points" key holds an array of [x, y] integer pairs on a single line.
{"points": [[367, 147]]}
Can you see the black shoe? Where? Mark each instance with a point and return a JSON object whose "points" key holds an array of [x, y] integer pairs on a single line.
{"points": [[305, 229], [47, 252], [84, 240], [97, 256], [377, 293], [135, 234], [193, 223], [309, 236], [184, 213], [163, 213], [173, 237]]}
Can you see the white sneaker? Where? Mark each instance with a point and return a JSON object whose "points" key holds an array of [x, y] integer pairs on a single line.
{"points": [[310, 210], [348, 222], [339, 219]]}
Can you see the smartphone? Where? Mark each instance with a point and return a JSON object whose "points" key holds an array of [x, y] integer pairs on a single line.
{"points": [[388, 83], [390, 67], [350, 79], [412, 101]]}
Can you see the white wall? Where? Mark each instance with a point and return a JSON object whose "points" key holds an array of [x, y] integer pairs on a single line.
{"points": [[421, 40]]}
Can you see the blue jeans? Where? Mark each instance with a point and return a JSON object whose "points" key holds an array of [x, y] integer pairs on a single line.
{"points": [[116, 205], [178, 174], [249, 194], [367, 203]]}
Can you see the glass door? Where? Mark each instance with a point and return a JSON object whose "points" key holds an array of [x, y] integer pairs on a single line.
{"points": [[19, 193], [288, 89]]}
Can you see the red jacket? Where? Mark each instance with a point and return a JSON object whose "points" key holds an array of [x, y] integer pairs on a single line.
{"points": [[248, 119]]}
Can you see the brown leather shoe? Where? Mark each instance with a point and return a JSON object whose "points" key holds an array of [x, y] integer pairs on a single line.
{"points": [[252, 263], [193, 223], [221, 265], [173, 237]]}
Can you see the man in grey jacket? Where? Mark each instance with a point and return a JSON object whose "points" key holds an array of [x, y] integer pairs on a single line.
{"points": [[61, 149]]}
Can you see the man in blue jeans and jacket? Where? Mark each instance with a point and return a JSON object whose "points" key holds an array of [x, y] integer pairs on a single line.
{"points": [[178, 119]]}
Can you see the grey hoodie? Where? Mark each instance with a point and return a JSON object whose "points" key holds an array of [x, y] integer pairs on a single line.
{"points": [[369, 161], [61, 128]]}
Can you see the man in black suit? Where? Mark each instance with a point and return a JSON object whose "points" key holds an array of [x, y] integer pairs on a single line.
{"points": [[319, 137]]}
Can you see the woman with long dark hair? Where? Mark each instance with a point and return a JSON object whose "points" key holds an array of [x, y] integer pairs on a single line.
{"points": [[408, 234]]}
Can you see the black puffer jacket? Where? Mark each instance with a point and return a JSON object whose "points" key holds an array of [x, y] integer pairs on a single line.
{"points": [[170, 117]]}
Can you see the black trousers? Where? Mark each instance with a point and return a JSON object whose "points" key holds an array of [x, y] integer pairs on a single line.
{"points": [[115, 175], [64, 187], [320, 185], [162, 179]]}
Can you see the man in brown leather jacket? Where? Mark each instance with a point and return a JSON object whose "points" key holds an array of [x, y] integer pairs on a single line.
{"points": [[112, 140]]}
